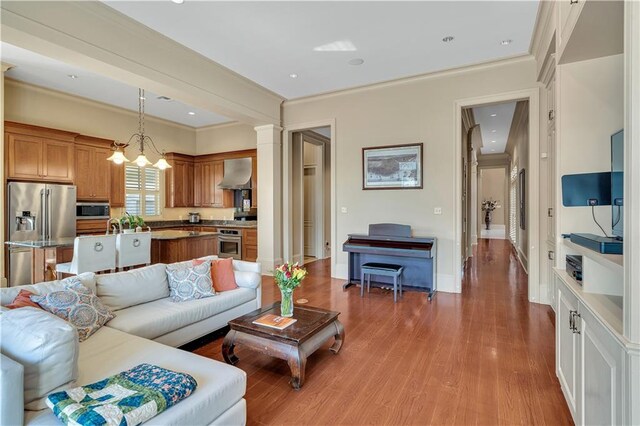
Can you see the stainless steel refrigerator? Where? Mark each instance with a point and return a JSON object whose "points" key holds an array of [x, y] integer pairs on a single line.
{"points": [[36, 211]]}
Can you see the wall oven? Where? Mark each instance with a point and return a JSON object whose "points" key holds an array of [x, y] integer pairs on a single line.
{"points": [[92, 211], [230, 243]]}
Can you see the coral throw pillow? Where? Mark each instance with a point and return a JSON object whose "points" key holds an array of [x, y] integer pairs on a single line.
{"points": [[221, 274], [23, 300]]}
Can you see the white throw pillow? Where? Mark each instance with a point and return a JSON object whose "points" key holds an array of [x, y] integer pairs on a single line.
{"points": [[46, 346], [130, 288], [247, 279], [190, 282], [7, 295]]}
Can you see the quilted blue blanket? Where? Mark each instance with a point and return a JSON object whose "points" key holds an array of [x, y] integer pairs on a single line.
{"points": [[125, 399]]}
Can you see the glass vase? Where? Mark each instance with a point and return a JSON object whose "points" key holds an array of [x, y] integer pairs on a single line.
{"points": [[286, 303]]}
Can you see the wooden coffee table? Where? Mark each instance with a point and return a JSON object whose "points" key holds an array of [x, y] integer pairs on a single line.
{"points": [[314, 326]]}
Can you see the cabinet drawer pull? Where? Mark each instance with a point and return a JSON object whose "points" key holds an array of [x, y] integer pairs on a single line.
{"points": [[575, 328], [571, 319]]}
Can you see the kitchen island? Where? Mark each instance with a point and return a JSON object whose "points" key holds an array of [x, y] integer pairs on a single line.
{"points": [[167, 246], [175, 246]]}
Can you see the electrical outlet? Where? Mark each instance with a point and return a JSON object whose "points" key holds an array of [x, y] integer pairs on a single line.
{"points": [[437, 210], [593, 201]]}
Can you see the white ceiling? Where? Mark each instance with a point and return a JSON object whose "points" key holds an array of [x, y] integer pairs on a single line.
{"points": [[40, 70], [267, 41], [494, 130]]}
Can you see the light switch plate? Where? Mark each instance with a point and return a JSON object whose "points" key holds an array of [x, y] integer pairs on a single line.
{"points": [[343, 209], [437, 210]]}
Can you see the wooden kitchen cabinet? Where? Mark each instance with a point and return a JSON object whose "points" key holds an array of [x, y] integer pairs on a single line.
{"points": [[210, 175], [250, 244], [39, 154], [91, 226], [116, 195], [179, 181], [93, 171]]}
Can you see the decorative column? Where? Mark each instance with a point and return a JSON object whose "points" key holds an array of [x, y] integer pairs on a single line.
{"points": [[269, 146], [3, 276]]}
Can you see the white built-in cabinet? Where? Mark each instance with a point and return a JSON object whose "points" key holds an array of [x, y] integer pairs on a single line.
{"points": [[589, 359], [586, 85]]}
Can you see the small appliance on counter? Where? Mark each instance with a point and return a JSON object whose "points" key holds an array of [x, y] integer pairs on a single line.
{"points": [[194, 217], [574, 267]]}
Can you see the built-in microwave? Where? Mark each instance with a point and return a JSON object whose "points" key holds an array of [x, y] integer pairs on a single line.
{"points": [[92, 211]]}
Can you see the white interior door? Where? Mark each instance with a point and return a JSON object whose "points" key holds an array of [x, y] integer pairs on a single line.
{"points": [[310, 213]]}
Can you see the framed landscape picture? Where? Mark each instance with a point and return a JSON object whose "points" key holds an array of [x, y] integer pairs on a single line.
{"points": [[392, 167]]}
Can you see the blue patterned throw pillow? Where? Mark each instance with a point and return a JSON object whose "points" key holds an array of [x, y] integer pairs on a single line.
{"points": [[77, 305], [188, 282]]}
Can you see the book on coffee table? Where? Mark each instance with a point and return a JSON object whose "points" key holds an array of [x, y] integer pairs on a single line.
{"points": [[275, 321]]}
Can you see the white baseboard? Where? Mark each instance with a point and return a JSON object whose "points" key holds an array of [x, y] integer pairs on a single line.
{"points": [[446, 283], [523, 260]]}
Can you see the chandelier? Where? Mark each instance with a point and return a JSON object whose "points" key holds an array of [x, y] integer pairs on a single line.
{"points": [[118, 156]]}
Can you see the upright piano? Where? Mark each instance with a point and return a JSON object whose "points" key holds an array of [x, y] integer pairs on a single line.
{"points": [[393, 243]]}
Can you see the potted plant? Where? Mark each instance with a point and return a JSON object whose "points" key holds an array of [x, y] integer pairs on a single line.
{"points": [[288, 276], [488, 206], [134, 223]]}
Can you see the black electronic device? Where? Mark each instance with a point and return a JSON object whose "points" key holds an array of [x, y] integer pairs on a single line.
{"points": [[574, 267], [605, 245]]}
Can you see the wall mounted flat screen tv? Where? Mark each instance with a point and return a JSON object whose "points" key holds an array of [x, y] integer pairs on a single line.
{"points": [[617, 183]]}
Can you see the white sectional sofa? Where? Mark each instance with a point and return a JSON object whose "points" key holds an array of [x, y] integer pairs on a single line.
{"points": [[147, 328]]}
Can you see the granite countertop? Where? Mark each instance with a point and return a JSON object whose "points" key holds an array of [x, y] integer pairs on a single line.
{"points": [[213, 223], [176, 235], [57, 242]]}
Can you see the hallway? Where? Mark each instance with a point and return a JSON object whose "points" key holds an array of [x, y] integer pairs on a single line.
{"points": [[485, 356]]}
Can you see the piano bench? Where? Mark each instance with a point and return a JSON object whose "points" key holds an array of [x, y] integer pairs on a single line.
{"points": [[383, 269]]}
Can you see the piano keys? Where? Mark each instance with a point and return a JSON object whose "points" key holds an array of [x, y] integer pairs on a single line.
{"points": [[393, 243]]}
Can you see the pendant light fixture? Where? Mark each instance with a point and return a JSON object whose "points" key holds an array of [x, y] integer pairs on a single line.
{"points": [[142, 160]]}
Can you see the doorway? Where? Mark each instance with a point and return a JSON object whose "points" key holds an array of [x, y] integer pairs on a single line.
{"points": [[494, 134], [311, 195]]}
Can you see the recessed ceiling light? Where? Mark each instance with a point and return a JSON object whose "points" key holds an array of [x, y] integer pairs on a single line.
{"points": [[294, 75], [191, 113], [142, 98], [72, 76], [493, 150], [506, 42], [178, 1], [493, 115], [356, 61], [493, 141], [493, 131], [448, 39]]}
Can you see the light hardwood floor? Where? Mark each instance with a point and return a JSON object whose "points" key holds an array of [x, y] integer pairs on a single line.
{"points": [[483, 357]]}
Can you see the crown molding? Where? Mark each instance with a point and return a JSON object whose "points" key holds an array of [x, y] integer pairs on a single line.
{"points": [[221, 126], [542, 44], [6, 67], [412, 79], [91, 102]]}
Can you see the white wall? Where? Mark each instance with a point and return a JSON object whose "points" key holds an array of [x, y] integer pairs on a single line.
{"points": [[518, 147], [591, 97], [414, 110], [494, 188], [225, 137]]}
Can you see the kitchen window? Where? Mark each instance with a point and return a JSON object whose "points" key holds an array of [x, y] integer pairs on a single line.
{"points": [[142, 190]]}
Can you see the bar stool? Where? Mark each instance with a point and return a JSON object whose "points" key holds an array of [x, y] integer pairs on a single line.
{"points": [[133, 249], [383, 269], [92, 253]]}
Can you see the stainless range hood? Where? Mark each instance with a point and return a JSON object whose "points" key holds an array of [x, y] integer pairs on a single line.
{"points": [[237, 174]]}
